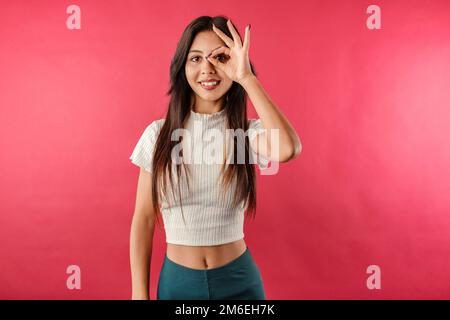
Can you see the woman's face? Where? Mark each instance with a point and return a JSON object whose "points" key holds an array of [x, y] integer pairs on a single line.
{"points": [[198, 69]]}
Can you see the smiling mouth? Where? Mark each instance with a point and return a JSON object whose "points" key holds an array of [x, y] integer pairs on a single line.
{"points": [[210, 84]]}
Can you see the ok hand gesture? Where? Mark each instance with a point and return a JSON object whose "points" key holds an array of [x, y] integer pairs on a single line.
{"points": [[235, 62]]}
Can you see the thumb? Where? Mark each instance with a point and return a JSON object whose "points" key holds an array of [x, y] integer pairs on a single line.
{"points": [[214, 62]]}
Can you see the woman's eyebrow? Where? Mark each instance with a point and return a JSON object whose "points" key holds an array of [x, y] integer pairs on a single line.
{"points": [[202, 51]]}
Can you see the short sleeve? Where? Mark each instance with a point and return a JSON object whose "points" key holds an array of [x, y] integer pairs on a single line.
{"points": [[142, 155], [255, 127]]}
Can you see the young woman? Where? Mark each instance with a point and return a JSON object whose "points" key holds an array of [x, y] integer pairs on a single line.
{"points": [[202, 204]]}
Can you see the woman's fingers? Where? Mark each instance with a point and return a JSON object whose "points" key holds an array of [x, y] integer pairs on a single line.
{"points": [[229, 42], [220, 50], [235, 35], [247, 38], [214, 62], [213, 57]]}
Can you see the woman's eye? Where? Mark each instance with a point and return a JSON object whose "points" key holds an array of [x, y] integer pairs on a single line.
{"points": [[221, 57]]}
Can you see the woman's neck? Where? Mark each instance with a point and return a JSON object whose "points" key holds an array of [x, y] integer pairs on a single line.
{"points": [[207, 107]]}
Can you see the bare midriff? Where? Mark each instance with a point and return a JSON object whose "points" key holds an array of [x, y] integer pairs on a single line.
{"points": [[205, 257]]}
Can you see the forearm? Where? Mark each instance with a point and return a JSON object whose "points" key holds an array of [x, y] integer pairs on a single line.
{"points": [[272, 118], [141, 241]]}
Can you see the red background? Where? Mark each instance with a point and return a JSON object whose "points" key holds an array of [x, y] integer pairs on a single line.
{"points": [[371, 108]]}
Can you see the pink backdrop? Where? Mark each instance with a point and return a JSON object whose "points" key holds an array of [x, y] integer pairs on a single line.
{"points": [[371, 108]]}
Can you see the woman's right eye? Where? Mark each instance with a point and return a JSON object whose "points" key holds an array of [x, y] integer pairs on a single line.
{"points": [[193, 58]]}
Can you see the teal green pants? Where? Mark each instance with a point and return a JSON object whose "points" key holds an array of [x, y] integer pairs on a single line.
{"points": [[239, 279]]}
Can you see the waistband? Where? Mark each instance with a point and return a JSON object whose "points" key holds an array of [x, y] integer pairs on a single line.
{"points": [[244, 259]]}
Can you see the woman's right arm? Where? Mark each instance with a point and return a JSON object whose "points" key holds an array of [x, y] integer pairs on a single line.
{"points": [[141, 237]]}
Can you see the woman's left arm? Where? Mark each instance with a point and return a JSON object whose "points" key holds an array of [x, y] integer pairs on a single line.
{"points": [[289, 145], [237, 67]]}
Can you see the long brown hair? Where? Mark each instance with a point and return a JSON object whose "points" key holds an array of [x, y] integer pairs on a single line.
{"points": [[178, 112]]}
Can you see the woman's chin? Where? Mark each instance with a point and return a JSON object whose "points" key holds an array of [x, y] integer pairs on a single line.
{"points": [[211, 97]]}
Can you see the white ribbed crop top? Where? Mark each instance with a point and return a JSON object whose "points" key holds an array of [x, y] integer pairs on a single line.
{"points": [[208, 212]]}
